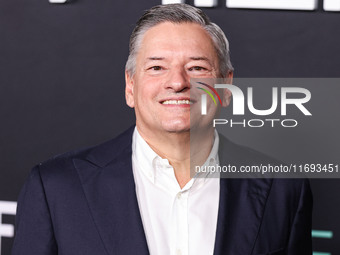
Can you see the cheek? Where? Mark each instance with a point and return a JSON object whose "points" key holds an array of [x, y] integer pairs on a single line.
{"points": [[144, 95], [149, 90]]}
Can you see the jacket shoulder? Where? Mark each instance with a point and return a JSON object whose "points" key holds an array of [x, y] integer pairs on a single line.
{"points": [[239, 154], [99, 155]]}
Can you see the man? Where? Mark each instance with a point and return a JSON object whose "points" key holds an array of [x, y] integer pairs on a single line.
{"points": [[134, 194]]}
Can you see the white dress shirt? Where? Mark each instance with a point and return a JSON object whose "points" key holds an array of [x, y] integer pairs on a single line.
{"points": [[176, 221]]}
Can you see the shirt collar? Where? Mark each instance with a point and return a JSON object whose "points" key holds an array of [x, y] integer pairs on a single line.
{"points": [[148, 160], [144, 156], [212, 159]]}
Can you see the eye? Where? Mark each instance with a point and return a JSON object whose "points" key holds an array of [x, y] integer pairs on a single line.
{"points": [[197, 68], [155, 68]]}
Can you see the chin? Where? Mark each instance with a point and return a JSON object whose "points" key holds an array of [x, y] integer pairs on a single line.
{"points": [[176, 127]]}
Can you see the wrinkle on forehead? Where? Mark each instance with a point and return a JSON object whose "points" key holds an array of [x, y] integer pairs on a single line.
{"points": [[183, 40]]}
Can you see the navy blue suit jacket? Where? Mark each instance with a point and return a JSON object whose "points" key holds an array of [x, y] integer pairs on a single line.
{"points": [[84, 203]]}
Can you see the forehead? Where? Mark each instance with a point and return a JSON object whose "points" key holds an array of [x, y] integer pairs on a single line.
{"points": [[177, 38]]}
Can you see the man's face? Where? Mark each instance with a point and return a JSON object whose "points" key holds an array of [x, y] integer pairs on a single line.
{"points": [[169, 55]]}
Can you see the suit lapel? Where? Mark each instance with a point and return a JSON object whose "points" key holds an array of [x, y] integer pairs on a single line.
{"points": [[108, 183], [241, 207]]}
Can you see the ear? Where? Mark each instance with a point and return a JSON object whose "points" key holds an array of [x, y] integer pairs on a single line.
{"points": [[129, 84], [226, 92]]}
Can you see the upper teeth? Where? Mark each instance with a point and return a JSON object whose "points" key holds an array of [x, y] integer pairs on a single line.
{"points": [[176, 102]]}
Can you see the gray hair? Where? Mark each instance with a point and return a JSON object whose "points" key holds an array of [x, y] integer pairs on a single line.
{"points": [[178, 13]]}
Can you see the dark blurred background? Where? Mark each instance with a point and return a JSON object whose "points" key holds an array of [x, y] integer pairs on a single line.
{"points": [[62, 82]]}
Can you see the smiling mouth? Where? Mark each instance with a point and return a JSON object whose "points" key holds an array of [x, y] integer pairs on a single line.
{"points": [[177, 102]]}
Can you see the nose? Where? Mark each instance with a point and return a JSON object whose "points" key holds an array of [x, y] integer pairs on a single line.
{"points": [[178, 81]]}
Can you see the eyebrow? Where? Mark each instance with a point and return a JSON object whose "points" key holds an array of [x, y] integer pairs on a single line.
{"points": [[192, 58], [200, 58], [155, 58]]}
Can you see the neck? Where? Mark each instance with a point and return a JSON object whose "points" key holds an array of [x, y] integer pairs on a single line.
{"points": [[182, 153]]}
